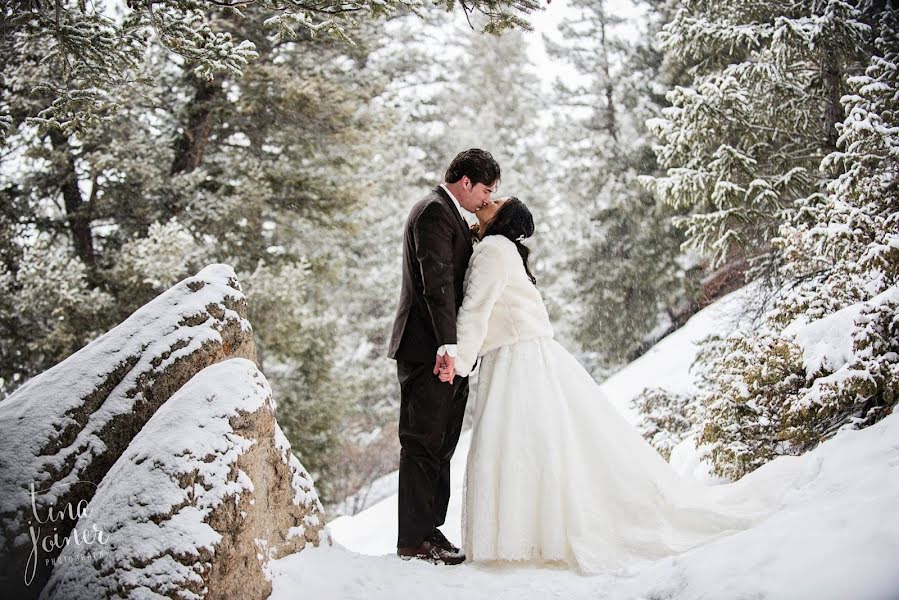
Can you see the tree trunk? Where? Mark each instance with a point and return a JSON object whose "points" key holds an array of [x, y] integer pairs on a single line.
{"points": [[78, 212], [833, 109], [611, 120], [190, 147]]}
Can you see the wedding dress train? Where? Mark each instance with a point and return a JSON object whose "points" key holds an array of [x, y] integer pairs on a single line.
{"points": [[554, 472]]}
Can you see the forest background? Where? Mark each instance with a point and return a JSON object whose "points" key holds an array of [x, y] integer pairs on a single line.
{"points": [[670, 150]]}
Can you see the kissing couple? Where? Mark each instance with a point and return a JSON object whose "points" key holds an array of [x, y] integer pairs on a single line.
{"points": [[554, 473]]}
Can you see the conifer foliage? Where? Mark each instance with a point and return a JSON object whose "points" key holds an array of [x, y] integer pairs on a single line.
{"points": [[825, 355], [742, 142], [142, 140], [623, 252], [89, 51]]}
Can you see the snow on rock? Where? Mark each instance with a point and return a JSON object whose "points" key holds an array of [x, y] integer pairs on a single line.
{"points": [[204, 496], [63, 429]]}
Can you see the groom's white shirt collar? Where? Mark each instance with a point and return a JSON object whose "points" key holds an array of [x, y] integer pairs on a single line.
{"points": [[466, 216]]}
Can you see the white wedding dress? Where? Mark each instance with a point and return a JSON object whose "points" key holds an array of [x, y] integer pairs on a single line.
{"points": [[554, 472]]}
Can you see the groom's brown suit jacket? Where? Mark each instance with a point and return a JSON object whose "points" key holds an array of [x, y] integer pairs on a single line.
{"points": [[436, 249]]}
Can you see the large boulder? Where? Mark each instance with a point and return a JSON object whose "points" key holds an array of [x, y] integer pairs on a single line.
{"points": [[64, 429], [204, 496]]}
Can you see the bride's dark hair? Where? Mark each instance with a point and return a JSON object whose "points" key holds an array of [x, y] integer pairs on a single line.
{"points": [[514, 221]]}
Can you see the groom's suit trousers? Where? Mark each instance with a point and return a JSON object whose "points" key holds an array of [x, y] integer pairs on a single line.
{"points": [[431, 414]]}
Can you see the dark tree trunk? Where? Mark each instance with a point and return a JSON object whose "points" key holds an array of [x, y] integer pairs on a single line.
{"points": [[611, 120], [833, 110], [78, 211], [190, 147]]}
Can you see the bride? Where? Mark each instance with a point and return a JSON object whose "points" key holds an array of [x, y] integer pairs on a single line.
{"points": [[554, 472]]}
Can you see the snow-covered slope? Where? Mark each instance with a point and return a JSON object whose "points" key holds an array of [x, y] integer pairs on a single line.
{"points": [[667, 364], [835, 536]]}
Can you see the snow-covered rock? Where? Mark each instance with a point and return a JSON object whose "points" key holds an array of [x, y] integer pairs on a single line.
{"points": [[205, 495], [63, 430]]}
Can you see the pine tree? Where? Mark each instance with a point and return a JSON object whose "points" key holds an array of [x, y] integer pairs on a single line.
{"points": [[844, 247], [89, 53], [742, 142], [763, 393], [844, 250], [496, 103], [624, 251], [257, 187]]}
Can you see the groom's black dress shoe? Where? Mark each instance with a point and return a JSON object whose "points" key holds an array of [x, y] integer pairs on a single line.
{"points": [[431, 552], [440, 540]]}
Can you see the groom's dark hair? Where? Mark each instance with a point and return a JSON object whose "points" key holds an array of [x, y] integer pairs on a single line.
{"points": [[478, 165]]}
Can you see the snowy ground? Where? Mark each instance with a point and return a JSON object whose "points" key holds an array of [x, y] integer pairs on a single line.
{"points": [[667, 364], [835, 537]]}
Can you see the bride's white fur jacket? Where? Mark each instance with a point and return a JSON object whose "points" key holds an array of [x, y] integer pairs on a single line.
{"points": [[501, 305]]}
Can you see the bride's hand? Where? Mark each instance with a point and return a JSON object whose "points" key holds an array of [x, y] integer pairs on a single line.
{"points": [[447, 374], [445, 368]]}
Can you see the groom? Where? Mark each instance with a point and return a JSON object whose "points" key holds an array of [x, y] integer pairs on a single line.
{"points": [[436, 249]]}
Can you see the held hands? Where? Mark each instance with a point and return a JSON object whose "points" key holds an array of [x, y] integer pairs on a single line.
{"points": [[445, 368]]}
